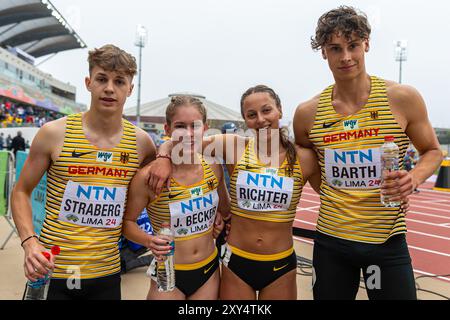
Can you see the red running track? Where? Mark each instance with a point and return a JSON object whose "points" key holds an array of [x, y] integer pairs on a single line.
{"points": [[428, 223]]}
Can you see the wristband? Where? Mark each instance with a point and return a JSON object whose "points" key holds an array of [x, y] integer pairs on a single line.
{"points": [[33, 236], [165, 156]]}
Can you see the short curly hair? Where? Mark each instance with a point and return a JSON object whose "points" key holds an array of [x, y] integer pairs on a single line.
{"points": [[345, 20], [112, 58]]}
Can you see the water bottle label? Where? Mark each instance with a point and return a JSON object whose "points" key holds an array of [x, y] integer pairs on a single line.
{"points": [[38, 283], [193, 215], [172, 252], [353, 169]]}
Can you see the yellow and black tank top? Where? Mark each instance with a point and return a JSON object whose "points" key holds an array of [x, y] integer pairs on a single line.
{"points": [[190, 210], [348, 149], [86, 197], [265, 193]]}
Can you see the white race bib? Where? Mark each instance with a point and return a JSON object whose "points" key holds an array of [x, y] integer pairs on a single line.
{"points": [[93, 206], [192, 216], [353, 169], [265, 191]]}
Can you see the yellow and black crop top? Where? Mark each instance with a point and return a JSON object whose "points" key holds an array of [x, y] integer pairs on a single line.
{"points": [[265, 193], [190, 210]]}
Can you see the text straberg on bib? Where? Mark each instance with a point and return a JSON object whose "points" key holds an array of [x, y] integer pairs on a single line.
{"points": [[353, 169], [266, 191], [93, 206], [192, 216]]}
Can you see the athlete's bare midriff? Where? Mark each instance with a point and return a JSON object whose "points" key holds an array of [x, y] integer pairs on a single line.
{"points": [[260, 237], [194, 250]]}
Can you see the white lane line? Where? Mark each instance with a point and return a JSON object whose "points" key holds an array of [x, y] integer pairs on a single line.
{"points": [[432, 200], [431, 274], [415, 270], [415, 206], [409, 230], [429, 251], [428, 215], [429, 235], [303, 240], [445, 225], [440, 206], [309, 208], [306, 200], [306, 222], [442, 193], [428, 223]]}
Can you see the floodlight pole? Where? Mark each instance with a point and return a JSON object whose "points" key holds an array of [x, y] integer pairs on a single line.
{"points": [[141, 39], [401, 55]]}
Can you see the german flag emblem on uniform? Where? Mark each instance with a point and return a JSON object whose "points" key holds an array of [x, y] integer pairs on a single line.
{"points": [[211, 184], [289, 171], [374, 115], [124, 157]]}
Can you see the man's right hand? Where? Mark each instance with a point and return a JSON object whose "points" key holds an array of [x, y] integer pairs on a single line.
{"points": [[36, 264], [158, 173]]}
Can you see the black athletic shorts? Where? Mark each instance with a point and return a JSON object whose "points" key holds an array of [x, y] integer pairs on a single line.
{"points": [[258, 271], [105, 288], [386, 268], [190, 277]]}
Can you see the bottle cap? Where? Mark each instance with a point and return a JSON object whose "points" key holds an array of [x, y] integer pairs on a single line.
{"points": [[165, 224], [389, 138], [55, 250], [47, 255]]}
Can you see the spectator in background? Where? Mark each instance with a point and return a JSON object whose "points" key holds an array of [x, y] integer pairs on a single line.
{"points": [[8, 142], [410, 161], [21, 112], [2, 140], [18, 143], [7, 106], [29, 119], [29, 110]]}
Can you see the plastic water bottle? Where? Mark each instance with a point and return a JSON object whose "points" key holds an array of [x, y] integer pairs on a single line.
{"points": [[165, 270], [389, 162], [38, 289]]}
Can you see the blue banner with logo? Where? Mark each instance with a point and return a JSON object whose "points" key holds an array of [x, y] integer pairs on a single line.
{"points": [[38, 197]]}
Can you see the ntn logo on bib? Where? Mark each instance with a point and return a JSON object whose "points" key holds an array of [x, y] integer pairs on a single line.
{"points": [[263, 191], [353, 169], [93, 206], [193, 215]]}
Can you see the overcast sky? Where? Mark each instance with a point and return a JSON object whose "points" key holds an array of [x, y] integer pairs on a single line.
{"points": [[220, 48]]}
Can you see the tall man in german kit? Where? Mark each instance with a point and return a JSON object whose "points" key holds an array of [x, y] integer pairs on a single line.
{"points": [[346, 125]]}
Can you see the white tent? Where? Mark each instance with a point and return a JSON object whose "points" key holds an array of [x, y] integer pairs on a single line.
{"points": [[157, 109]]}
